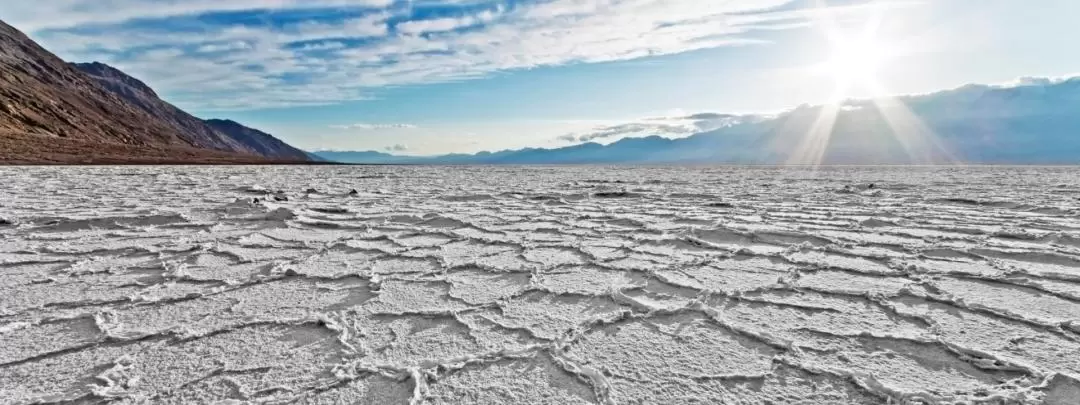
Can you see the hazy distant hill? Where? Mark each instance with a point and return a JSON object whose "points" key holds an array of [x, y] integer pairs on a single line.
{"points": [[55, 112], [1037, 122], [362, 157]]}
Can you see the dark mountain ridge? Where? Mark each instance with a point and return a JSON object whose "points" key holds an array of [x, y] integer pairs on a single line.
{"points": [[55, 112], [260, 142]]}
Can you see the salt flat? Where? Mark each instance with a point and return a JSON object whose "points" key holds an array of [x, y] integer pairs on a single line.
{"points": [[539, 285]]}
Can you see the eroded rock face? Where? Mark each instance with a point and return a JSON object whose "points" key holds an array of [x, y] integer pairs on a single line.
{"points": [[55, 112], [447, 286]]}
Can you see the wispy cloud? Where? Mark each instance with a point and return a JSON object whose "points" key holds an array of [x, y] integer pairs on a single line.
{"points": [[248, 54], [635, 128], [397, 148], [668, 126], [74, 13], [366, 126], [446, 24], [223, 47]]}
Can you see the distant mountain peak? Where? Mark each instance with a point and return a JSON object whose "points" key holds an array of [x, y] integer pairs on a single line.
{"points": [[259, 141], [223, 122]]}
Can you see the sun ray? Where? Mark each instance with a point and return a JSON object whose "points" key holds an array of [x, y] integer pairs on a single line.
{"points": [[815, 141], [854, 60], [921, 144]]}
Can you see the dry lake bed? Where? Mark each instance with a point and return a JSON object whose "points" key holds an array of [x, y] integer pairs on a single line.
{"points": [[539, 285]]}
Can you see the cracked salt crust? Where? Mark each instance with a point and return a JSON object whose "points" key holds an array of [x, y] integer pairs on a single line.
{"points": [[563, 285]]}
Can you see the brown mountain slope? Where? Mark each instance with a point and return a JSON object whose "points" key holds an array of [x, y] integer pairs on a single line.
{"points": [[206, 134], [140, 95], [20, 148], [50, 112], [261, 142]]}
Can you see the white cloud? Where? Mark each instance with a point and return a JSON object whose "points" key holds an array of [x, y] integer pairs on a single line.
{"points": [[323, 46], [223, 47], [218, 65], [636, 128], [361, 27], [366, 126], [667, 126], [445, 24], [1038, 81], [397, 148], [38, 15]]}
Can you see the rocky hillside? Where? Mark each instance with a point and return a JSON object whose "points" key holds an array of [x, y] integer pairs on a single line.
{"points": [[223, 135], [55, 112], [259, 142]]}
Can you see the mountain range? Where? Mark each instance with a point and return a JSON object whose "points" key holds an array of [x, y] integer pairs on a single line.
{"points": [[1033, 122], [54, 112]]}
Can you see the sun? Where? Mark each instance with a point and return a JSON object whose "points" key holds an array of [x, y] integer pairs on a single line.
{"points": [[854, 63], [854, 60], [859, 60]]}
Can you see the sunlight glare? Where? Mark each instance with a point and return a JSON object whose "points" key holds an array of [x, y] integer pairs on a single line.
{"points": [[854, 58], [854, 61]]}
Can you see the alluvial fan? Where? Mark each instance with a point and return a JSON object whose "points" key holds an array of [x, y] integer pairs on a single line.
{"points": [[540, 285]]}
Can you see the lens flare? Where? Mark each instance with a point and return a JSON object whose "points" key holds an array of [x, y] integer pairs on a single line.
{"points": [[854, 62]]}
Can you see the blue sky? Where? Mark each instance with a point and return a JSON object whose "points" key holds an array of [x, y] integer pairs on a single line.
{"points": [[439, 76]]}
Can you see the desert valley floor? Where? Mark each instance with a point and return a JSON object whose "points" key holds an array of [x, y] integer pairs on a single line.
{"points": [[539, 285]]}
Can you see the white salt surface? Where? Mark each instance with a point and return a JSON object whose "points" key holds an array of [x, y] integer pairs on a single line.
{"points": [[539, 285]]}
